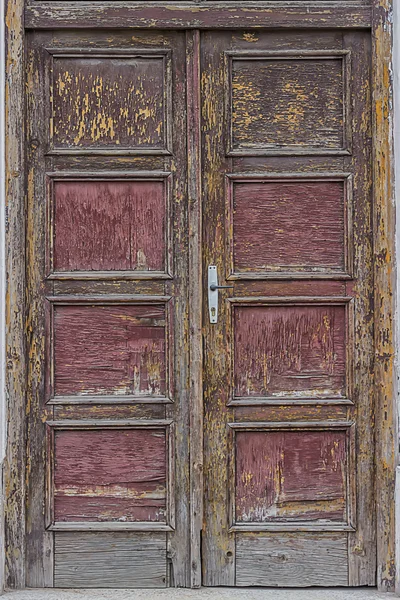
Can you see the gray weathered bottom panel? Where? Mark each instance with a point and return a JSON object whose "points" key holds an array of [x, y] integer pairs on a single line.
{"points": [[110, 560], [291, 559]]}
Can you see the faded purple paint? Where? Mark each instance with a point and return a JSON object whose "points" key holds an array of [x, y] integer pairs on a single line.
{"points": [[290, 475], [291, 226], [110, 475], [109, 225], [109, 350], [289, 350]]}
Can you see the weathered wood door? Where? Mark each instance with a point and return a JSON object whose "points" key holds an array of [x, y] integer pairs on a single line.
{"points": [[288, 397], [113, 178], [107, 322]]}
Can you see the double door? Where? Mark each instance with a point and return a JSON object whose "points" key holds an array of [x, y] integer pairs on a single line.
{"points": [[178, 433]]}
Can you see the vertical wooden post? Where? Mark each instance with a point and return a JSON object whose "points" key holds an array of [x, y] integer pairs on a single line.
{"points": [[385, 286], [195, 304], [14, 466], [3, 428]]}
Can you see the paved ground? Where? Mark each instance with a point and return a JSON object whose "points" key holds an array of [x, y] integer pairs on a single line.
{"points": [[203, 594]]}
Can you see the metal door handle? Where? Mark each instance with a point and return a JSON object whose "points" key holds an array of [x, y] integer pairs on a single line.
{"points": [[213, 288]]}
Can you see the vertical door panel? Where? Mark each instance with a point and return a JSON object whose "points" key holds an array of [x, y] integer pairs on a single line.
{"points": [[287, 385], [108, 380]]}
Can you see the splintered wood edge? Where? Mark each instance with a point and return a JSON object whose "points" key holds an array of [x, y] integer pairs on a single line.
{"points": [[385, 287]]}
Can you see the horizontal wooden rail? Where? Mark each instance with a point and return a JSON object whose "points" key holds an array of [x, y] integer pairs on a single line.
{"points": [[192, 15]]}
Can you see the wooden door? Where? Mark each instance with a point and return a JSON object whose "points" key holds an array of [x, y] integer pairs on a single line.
{"points": [[114, 169], [107, 322], [288, 375]]}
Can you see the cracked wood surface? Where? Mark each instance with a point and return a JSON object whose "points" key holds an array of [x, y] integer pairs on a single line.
{"points": [[106, 345], [285, 351], [102, 138]]}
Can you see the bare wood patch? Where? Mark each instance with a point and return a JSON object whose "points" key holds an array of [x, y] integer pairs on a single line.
{"points": [[110, 560]]}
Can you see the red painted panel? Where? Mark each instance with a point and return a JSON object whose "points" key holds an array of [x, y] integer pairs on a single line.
{"points": [[109, 350], [109, 225], [291, 226], [108, 475], [289, 350], [289, 475]]}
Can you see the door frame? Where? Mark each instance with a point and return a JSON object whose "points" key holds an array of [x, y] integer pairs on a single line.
{"points": [[191, 16]]}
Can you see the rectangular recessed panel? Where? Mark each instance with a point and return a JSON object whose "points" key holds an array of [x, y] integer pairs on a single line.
{"points": [[109, 350], [109, 225], [290, 351], [288, 226], [291, 560], [110, 475], [290, 475], [110, 560], [292, 103], [109, 102]]}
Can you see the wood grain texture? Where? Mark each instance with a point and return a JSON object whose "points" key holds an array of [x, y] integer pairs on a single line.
{"points": [[196, 293], [110, 475], [178, 548], [290, 287], [93, 291], [14, 465], [39, 543], [305, 96], [110, 560], [298, 560], [355, 331], [294, 412], [75, 163], [87, 287], [295, 351], [108, 411], [109, 225], [109, 350], [362, 543], [284, 476], [218, 544], [385, 286], [193, 16], [95, 99], [264, 238]]}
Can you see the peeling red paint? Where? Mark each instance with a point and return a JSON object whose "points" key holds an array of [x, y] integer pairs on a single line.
{"points": [[290, 350], [263, 231], [109, 225], [290, 475], [110, 475], [109, 350]]}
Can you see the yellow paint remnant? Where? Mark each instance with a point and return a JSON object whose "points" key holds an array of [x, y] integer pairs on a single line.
{"points": [[250, 37]]}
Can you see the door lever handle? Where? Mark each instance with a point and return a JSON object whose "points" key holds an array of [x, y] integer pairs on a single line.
{"points": [[213, 288]]}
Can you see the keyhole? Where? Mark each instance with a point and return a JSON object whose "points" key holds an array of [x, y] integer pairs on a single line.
{"points": [[213, 311]]}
